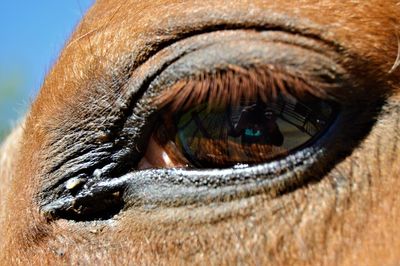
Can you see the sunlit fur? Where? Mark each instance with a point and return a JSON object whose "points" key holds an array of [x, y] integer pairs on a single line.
{"points": [[349, 217]]}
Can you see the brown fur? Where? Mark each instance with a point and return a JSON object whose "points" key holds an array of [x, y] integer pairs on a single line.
{"points": [[350, 217]]}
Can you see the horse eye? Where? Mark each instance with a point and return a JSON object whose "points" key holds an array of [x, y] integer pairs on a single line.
{"points": [[238, 132], [249, 133], [218, 122]]}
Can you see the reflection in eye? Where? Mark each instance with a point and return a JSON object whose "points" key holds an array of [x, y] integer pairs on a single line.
{"points": [[248, 130], [249, 133]]}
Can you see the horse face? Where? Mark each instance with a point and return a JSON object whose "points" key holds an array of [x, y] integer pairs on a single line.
{"points": [[72, 191]]}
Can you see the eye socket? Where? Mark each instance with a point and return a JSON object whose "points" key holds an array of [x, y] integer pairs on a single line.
{"points": [[218, 71], [245, 123]]}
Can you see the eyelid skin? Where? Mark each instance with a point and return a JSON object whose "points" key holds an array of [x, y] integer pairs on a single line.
{"points": [[71, 140]]}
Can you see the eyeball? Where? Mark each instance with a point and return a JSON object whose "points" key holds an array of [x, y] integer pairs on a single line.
{"points": [[244, 133]]}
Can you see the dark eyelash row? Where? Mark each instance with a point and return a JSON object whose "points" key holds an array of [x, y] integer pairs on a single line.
{"points": [[236, 84]]}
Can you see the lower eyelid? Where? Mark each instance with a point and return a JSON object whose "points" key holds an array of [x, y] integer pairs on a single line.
{"points": [[172, 187]]}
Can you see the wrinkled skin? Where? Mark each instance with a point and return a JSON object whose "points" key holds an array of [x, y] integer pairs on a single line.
{"points": [[349, 216]]}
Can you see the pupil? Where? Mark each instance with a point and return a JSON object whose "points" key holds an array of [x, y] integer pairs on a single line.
{"points": [[257, 125], [250, 132]]}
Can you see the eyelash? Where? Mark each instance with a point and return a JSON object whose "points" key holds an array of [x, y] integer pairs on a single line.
{"points": [[230, 86]]}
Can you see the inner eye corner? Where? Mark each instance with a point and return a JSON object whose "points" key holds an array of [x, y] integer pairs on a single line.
{"points": [[228, 120]]}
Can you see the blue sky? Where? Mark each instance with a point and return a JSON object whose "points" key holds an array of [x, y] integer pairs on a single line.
{"points": [[32, 34]]}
